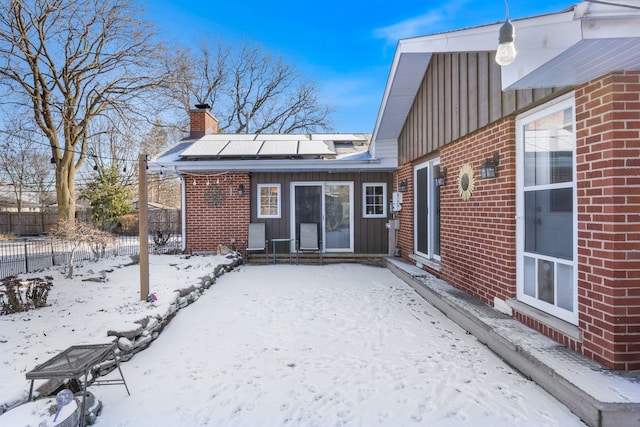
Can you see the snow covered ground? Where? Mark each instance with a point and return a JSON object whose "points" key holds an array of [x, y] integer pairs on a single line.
{"points": [[333, 345]]}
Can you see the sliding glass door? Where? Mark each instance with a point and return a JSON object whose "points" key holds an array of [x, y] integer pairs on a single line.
{"points": [[427, 210], [330, 206]]}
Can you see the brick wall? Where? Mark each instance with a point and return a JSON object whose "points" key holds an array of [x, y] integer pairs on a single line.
{"points": [[478, 248], [404, 236], [208, 225], [608, 173]]}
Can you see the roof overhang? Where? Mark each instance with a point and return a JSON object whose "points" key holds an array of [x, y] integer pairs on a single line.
{"points": [[563, 49], [311, 165]]}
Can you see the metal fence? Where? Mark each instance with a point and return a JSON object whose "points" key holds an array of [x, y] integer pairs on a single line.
{"points": [[37, 254]]}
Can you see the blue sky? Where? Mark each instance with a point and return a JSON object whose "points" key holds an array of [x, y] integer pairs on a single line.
{"points": [[346, 47]]}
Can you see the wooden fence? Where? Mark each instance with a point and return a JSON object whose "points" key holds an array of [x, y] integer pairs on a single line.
{"points": [[39, 223]]}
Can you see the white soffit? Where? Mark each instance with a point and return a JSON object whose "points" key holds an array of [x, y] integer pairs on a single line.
{"points": [[400, 93]]}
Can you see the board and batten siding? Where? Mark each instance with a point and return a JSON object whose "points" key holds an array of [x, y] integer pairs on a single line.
{"points": [[370, 234], [459, 94]]}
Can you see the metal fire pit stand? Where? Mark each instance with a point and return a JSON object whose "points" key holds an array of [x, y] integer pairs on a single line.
{"points": [[74, 362]]}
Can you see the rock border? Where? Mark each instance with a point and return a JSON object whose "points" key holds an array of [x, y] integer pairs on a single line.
{"points": [[132, 341]]}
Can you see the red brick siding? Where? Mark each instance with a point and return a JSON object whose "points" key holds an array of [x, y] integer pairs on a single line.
{"points": [[207, 225], [477, 236], [478, 246], [404, 237], [608, 190]]}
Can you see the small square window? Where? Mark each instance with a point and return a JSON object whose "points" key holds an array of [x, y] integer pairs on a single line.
{"points": [[268, 200], [374, 200]]}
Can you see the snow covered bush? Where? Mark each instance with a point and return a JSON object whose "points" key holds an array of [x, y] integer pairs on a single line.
{"points": [[77, 234]]}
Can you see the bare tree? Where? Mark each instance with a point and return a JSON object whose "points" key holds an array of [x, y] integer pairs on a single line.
{"points": [[68, 62], [15, 151], [25, 163], [249, 89]]}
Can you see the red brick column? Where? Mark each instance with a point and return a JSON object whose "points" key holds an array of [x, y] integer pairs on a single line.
{"points": [[608, 190]]}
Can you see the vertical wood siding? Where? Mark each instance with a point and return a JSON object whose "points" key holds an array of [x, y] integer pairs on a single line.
{"points": [[370, 234], [460, 93]]}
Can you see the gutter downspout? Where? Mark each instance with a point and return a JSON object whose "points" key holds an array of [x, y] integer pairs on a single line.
{"points": [[183, 214]]}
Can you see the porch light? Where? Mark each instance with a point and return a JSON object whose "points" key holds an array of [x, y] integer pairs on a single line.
{"points": [[489, 168], [53, 160], [440, 178], [402, 187], [506, 52], [240, 189]]}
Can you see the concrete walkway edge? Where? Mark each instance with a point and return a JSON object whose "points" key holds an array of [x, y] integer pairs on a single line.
{"points": [[592, 411]]}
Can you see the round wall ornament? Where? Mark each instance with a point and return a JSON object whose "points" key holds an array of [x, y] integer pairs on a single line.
{"points": [[466, 181], [214, 196]]}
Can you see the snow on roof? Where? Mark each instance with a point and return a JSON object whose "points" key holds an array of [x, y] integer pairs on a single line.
{"points": [[251, 148], [270, 152]]}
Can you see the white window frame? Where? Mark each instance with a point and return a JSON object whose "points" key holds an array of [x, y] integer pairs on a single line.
{"points": [[323, 185], [568, 316], [259, 201], [366, 185]]}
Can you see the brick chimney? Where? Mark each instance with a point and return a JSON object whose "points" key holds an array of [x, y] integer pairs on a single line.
{"points": [[202, 121]]}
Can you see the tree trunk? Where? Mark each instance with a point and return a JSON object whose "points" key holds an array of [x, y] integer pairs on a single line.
{"points": [[72, 256], [65, 192]]}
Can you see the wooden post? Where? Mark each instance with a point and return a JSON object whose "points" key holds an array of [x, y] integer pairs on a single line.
{"points": [[143, 227]]}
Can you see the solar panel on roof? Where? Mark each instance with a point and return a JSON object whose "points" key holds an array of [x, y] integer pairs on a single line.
{"points": [[241, 148], [205, 148], [313, 147], [244, 146], [279, 148], [282, 137]]}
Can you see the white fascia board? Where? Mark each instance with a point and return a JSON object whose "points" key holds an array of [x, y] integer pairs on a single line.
{"points": [[276, 165]]}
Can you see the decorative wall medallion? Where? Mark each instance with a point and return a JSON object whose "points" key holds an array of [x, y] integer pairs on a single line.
{"points": [[214, 196], [466, 181]]}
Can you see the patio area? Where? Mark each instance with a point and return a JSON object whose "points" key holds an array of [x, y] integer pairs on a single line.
{"points": [[341, 344]]}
